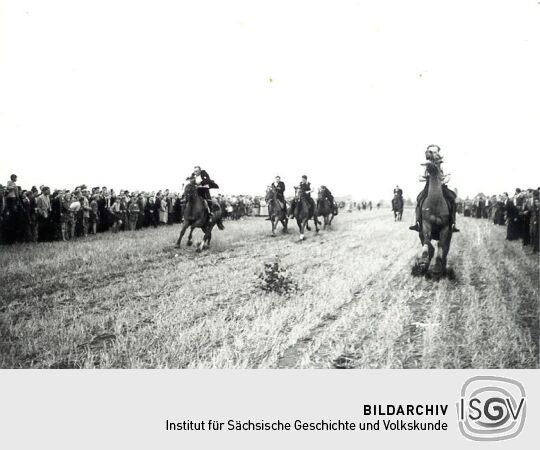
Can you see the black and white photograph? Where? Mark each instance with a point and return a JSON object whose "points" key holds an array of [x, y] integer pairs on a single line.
{"points": [[269, 185]]}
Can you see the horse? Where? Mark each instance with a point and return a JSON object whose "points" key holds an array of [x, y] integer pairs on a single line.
{"points": [[325, 209], [435, 222], [397, 207], [196, 216], [304, 213], [277, 210]]}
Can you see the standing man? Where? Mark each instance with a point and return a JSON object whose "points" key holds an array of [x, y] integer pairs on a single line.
{"points": [[43, 206], [133, 212], [12, 194]]}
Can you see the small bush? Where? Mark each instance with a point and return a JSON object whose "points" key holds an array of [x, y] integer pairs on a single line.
{"points": [[276, 279]]}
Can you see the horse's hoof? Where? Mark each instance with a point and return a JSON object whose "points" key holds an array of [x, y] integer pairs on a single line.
{"points": [[189, 243]]}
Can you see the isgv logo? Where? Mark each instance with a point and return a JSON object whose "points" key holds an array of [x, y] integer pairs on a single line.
{"points": [[491, 408]]}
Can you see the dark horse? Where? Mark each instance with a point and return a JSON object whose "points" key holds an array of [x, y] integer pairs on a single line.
{"points": [[325, 209], [196, 216], [304, 212], [276, 209], [397, 207], [435, 222]]}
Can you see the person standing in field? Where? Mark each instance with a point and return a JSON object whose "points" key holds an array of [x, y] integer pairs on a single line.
{"points": [[43, 206], [12, 194], [149, 212], [94, 214], [133, 212], [66, 216], [85, 207]]}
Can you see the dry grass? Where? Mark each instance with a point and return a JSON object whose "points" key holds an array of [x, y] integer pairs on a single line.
{"points": [[128, 300]]}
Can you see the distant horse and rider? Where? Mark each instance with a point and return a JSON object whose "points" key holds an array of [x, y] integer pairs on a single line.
{"points": [[326, 206], [435, 214], [277, 206], [397, 204], [200, 211], [303, 207]]}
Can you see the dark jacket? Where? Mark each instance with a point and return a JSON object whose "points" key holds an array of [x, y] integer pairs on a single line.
{"points": [[206, 180], [280, 187]]}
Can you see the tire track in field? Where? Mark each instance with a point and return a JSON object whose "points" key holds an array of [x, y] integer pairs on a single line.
{"points": [[399, 280], [292, 354], [418, 304]]}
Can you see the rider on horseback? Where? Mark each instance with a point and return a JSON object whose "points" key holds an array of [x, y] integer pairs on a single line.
{"points": [[305, 192], [324, 193], [204, 183], [279, 187], [432, 154]]}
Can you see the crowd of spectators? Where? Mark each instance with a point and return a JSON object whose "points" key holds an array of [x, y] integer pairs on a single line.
{"points": [[42, 214], [519, 213]]}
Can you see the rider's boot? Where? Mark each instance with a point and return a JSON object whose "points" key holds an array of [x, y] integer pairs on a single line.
{"points": [[293, 209], [208, 209], [455, 229], [416, 226]]}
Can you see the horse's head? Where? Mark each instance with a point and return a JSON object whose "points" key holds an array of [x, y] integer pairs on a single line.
{"points": [[190, 190], [270, 193], [433, 153], [297, 192]]}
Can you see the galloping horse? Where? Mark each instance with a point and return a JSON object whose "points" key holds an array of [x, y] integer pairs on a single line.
{"points": [[325, 209], [277, 210], [196, 216], [435, 220], [304, 213], [397, 207]]}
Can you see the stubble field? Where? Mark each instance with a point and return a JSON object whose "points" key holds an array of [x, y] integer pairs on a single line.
{"points": [[131, 300]]}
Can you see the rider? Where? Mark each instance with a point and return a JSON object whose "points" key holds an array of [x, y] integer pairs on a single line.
{"points": [[204, 184], [305, 192], [279, 186], [326, 194], [398, 191], [432, 154]]}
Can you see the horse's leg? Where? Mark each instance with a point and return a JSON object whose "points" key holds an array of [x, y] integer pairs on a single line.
{"points": [[301, 225], [427, 247], [446, 249], [182, 232], [190, 237], [442, 251], [285, 223], [207, 237], [200, 245]]}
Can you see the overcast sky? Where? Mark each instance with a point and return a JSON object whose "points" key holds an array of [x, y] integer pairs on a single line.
{"points": [[132, 94]]}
